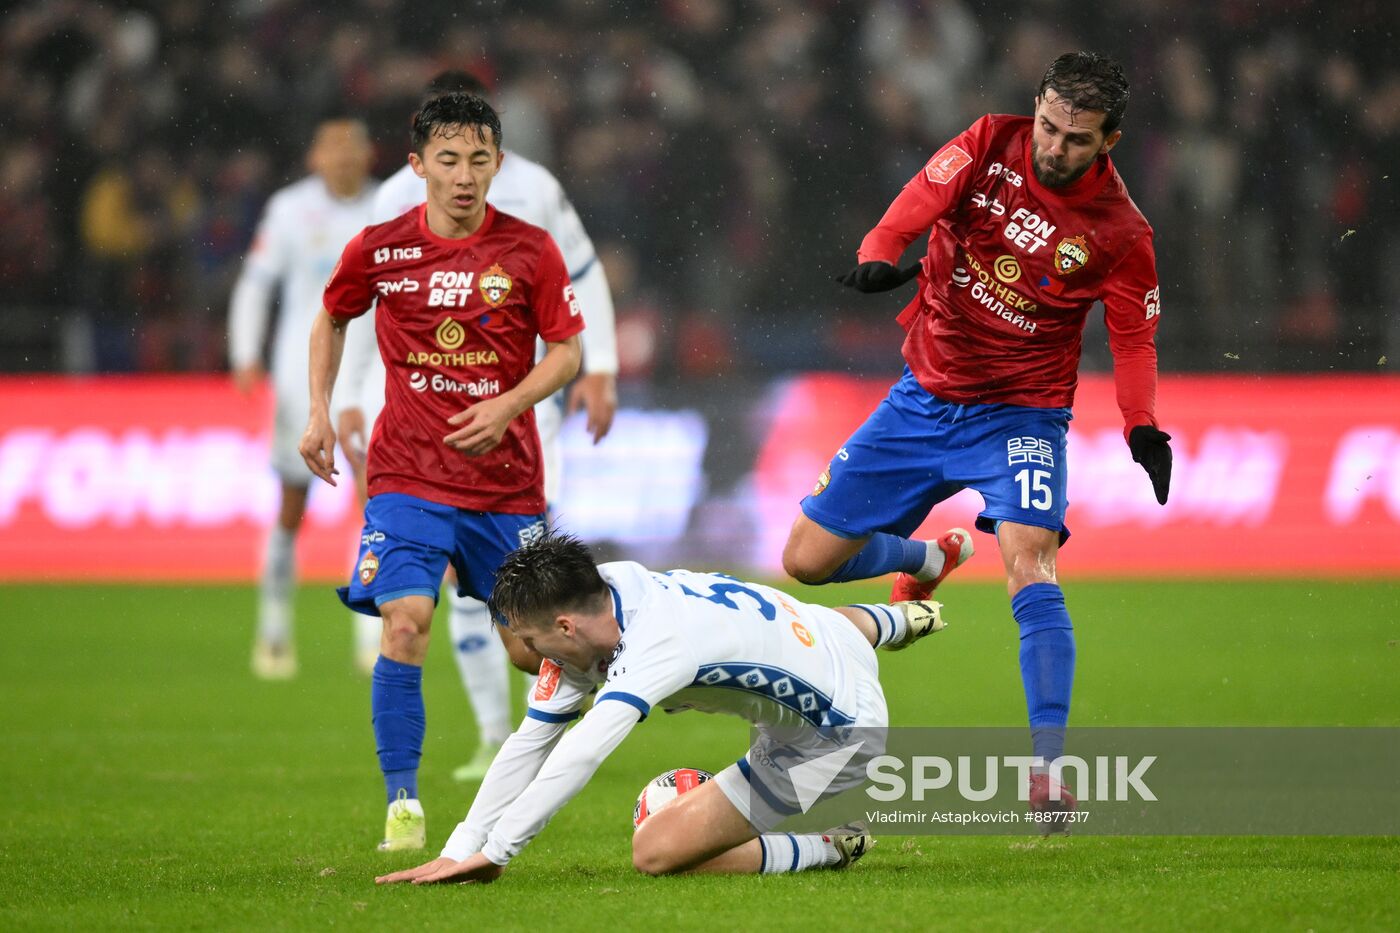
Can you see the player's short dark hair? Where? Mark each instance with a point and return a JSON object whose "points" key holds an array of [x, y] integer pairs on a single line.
{"points": [[454, 81], [1089, 81], [553, 574], [451, 113]]}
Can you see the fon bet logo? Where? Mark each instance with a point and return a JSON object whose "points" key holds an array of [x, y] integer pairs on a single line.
{"points": [[495, 286]]}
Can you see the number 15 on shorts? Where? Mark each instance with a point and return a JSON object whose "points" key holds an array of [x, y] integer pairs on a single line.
{"points": [[1035, 490]]}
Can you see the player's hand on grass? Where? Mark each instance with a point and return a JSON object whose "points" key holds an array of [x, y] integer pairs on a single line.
{"points": [[351, 428], [1150, 448], [421, 871], [247, 378], [877, 276], [597, 395], [481, 427], [317, 448], [474, 869]]}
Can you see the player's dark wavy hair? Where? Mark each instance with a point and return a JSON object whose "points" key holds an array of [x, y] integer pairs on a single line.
{"points": [[1089, 81], [449, 114], [553, 574]]}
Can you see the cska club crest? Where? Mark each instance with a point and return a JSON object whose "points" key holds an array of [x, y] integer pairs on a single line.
{"points": [[1071, 255], [495, 286], [369, 568]]}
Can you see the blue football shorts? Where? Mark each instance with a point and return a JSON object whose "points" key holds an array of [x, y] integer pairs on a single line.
{"points": [[915, 450], [408, 542]]}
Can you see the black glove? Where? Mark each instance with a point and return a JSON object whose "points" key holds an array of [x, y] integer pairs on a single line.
{"points": [[877, 277], [1150, 448]]}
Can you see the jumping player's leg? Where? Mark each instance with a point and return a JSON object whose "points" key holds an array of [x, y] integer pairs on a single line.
{"points": [[1047, 636], [703, 832], [857, 522], [273, 654]]}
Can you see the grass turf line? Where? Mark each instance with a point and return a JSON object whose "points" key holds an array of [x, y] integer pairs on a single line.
{"points": [[156, 784]]}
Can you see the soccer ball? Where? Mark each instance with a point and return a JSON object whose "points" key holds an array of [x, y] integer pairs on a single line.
{"points": [[664, 788]]}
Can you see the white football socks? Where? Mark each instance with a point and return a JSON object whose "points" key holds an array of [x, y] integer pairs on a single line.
{"points": [[784, 852], [482, 661], [277, 586], [934, 559], [890, 623]]}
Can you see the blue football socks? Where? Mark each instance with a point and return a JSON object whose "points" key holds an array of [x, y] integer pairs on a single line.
{"points": [[882, 554], [1047, 664], [396, 703]]}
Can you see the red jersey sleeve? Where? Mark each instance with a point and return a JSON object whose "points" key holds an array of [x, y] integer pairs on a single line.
{"points": [[557, 313], [348, 293], [928, 196], [1132, 303]]}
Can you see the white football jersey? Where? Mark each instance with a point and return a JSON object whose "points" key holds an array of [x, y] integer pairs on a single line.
{"points": [[709, 642], [304, 229]]}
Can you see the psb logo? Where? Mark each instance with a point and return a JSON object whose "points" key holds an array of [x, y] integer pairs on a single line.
{"points": [[802, 634], [369, 568], [1071, 255], [418, 382], [495, 286], [397, 253], [1007, 269], [450, 335]]}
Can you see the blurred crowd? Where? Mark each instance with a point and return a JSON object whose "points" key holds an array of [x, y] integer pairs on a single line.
{"points": [[727, 156]]}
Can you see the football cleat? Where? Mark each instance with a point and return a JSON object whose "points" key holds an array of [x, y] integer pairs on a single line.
{"points": [[405, 828], [1041, 802], [274, 660], [851, 844], [956, 545], [924, 618], [475, 770]]}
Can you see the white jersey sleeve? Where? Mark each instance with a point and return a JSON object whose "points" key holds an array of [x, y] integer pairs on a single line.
{"points": [[250, 306], [590, 282], [568, 768]]}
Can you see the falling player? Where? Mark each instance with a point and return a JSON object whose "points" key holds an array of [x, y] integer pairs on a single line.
{"points": [[454, 472], [1031, 225], [303, 229], [528, 191], [805, 675]]}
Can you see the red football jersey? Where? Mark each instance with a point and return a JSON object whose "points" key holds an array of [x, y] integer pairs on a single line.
{"points": [[456, 324], [1012, 270]]}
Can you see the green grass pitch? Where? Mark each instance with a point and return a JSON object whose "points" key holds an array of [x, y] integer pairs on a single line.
{"points": [[153, 783]]}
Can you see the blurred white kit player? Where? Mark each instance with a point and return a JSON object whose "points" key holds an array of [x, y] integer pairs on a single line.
{"points": [[530, 192], [304, 229]]}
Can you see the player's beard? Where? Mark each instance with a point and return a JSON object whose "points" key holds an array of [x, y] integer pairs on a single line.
{"points": [[1057, 177]]}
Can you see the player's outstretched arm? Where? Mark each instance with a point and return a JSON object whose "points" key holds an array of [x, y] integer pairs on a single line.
{"points": [[318, 442], [877, 276], [481, 427]]}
